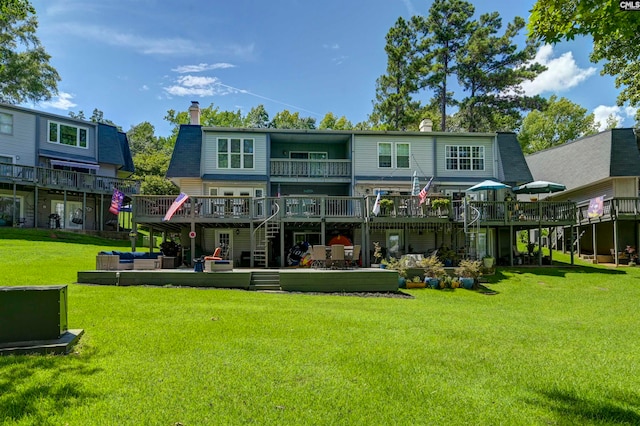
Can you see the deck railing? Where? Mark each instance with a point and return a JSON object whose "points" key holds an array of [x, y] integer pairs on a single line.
{"points": [[154, 208], [63, 179], [311, 168], [612, 207]]}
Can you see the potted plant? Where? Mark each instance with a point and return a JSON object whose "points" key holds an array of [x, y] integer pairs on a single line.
{"points": [[447, 256], [468, 272], [433, 271], [377, 255], [397, 265], [415, 282], [488, 261], [386, 206], [441, 205]]}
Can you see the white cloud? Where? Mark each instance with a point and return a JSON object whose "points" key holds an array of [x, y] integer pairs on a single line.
{"points": [[182, 69], [190, 85], [410, 8], [334, 46], [62, 101], [562, 73], [144, 87], [603, 112]]}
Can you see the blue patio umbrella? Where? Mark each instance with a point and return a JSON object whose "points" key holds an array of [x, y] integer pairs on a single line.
{"points": [[487, 185], [415, 189]]}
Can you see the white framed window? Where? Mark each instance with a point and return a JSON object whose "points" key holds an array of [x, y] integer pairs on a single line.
{"points": [[384, 155], [395, 155], [6, 123], [66, 134], [402, 155], [464, 157], [235, 153]]}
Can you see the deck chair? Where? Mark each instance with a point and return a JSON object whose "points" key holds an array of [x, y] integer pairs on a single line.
{"points": [[217, 254], [518, 258], [353, 262], [337, 256], [319, 256]]}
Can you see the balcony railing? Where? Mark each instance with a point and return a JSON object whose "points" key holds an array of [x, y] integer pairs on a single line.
{"points": [[63, 179], [614, 207], [311, 168], [152, 208], [519, 211]]}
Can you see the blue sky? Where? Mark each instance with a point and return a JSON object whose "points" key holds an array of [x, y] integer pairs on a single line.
{"points": [[136, 59]]}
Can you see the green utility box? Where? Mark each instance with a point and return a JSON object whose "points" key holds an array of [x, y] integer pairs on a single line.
{"points": [[33, 313]]}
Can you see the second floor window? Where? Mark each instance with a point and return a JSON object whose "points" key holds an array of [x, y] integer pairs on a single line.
{"points": [[6, 123], [235, 153], [393, 155], [462, 157], [66, 134]]}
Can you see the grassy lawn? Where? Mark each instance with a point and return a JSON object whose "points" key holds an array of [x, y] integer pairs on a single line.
{"points": [[551, 347]]}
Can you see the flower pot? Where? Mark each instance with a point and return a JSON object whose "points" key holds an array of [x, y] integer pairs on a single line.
{"points": [[383, 266], [467, 282], [488, 262], [411, 284], [432, 282], [402, 282]]}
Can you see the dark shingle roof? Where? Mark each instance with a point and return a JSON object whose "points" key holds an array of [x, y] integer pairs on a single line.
{"points": [[589, 159], [109, 146], [126, 153], [185, 161], [514, 166]]}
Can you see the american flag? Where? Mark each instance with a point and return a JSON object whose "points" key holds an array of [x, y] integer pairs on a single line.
{"points": [[424, 192], [175, 206]]}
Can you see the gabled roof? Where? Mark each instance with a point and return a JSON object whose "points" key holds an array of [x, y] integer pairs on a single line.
{"points": [[185, 161], [514, 166], [612, 153]]}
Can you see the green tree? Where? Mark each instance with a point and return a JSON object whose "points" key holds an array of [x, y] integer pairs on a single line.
{"points": [[209, 117], [394, 107], [490, 70], [562, 121], [331, 122], [447, 29], [286, 120], [257, 118], [616, 39], [142, 139], [25, 72], [96, 117]]}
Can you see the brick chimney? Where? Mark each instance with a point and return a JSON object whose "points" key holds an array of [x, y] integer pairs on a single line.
{"points": [[426, 125], [194, 113]]}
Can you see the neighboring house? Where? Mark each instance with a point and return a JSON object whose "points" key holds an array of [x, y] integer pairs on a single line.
{"points": [[57, 171], [261, 191], [605, 165]]}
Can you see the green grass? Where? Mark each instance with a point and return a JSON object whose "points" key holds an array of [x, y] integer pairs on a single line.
{"points": [[552, 346]]}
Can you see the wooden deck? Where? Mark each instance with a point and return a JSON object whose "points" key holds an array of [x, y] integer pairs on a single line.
{"points": [[294, 279]]}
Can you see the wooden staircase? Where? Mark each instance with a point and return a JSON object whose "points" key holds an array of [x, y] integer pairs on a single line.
{"points": [[265, 280]]}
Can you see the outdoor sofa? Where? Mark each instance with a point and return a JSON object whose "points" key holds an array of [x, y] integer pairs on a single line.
{"points": [[112, 260]]}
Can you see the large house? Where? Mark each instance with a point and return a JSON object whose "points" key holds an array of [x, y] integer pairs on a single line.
{"points": [[260, 192], [601, 175], [60, 172]]}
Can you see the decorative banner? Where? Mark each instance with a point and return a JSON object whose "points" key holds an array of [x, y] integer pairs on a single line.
{"points": [[376, 206], [596, 207], [175, 206], [116, 201], [422, 196]]}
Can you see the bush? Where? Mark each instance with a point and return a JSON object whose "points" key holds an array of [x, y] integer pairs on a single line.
{"points": [[469, 269], [432, 266]]}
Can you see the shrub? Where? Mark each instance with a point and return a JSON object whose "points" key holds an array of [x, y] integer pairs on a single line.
{"points": [[432, 266], [469, 269]]}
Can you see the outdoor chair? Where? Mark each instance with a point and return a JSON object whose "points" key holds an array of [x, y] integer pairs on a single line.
{"points": [[337, 256], [216, 255], [319, 256], [355, 257], [518, 258]]}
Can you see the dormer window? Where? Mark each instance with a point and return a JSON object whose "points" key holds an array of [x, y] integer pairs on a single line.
{"points": [[66, 134]]}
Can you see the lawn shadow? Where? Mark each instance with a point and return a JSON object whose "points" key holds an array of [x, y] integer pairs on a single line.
{"points": [[551, 271], [612, 407], [32, 385], [56, 235]]}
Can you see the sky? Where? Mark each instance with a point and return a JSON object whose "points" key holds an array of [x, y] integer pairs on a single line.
{"points": [[136, 59]]}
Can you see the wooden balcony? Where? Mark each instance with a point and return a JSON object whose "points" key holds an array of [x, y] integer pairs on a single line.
{"points": [[311, 168], [524, 213], [203, 209], [65, 180], [623, 208]]}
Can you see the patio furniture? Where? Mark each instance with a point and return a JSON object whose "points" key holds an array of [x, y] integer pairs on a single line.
{"points": [[337, 256], [352, 260], [216, 254], [319, 256]]}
